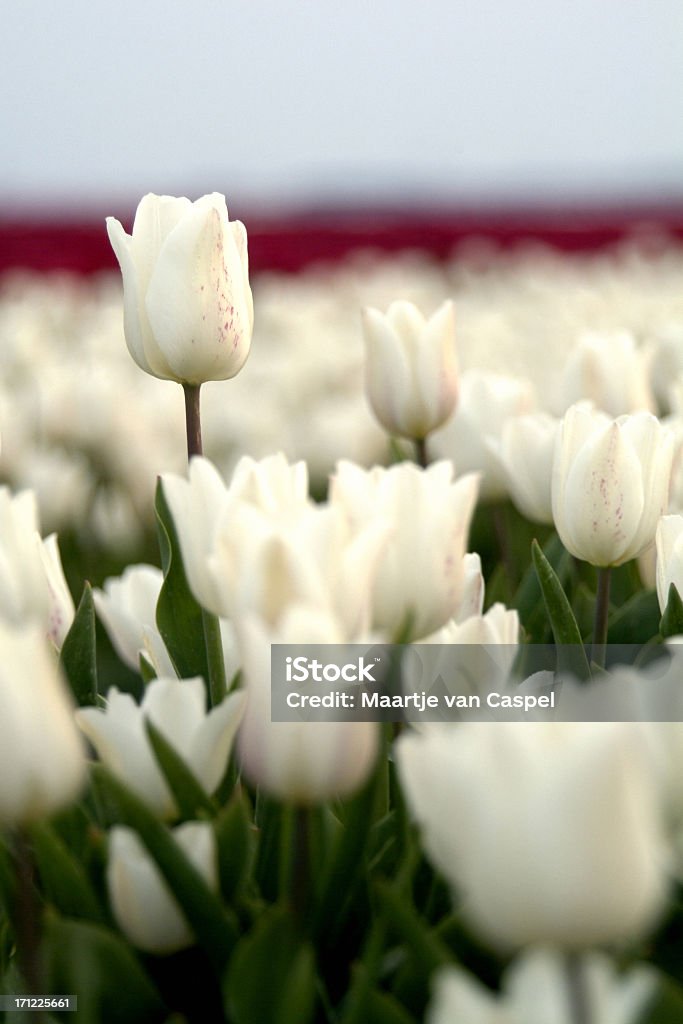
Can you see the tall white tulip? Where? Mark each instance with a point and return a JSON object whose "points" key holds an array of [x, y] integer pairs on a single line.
{"points": [[411, 370], [548, 833], [42, 760], [610, 483], [143, 905], [177, 707], [421, 572], [188, 309]]}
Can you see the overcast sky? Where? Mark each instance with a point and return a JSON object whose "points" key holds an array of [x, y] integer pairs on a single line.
{"points": [[279, 102]]}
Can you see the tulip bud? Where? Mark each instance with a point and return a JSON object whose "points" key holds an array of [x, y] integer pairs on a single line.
{"points": [[411, 372], [42, 762], [177, 707], [188, 310], [548, 833], [143, 904], [610, 483]]}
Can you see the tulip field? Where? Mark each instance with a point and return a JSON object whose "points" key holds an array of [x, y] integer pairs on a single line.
{"points": [[471, 467]]}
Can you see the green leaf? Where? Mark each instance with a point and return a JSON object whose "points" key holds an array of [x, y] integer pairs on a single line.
{"points": [[78, 657], [571, 654], [636, 621], [528, 599], [213, 928], [64, 881], [96, 965], [666, 1005], [190, 796], [384, 1009], [672, 620], [426, 950], [272, 974], [236, 839], [179, 616]]}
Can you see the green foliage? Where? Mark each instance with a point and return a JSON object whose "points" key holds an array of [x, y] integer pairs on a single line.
{"points": [[78, 656]]}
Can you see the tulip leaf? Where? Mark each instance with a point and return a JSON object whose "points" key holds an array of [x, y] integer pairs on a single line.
{"points": [[287, 994], [213, 928], [190, 796], [672, 620], [78, 657], [64, 881], [666, 1004], [528, 599], [571, 654], [426, 950], [236, 838], [97, 965], [637, 620], [179, 616]]}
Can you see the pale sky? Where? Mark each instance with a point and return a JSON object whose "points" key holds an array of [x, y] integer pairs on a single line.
{"points": [[280, 102]]}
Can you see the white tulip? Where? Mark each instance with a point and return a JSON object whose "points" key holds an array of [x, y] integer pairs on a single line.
{"points": [[669, 565], [143, 904], [177, 708], [188, 310], [203, 507], [590, 374], [420, 576], [304, 762], [42, 760], [411, 370], [610, 483], [526, 450], [471, 438], [548, 833], [32, 584], [127, 607], [535, 990]]}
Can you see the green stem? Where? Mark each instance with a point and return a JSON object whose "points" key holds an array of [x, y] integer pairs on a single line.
{"points": [[601, 617], [27, 922], [218, 684], [578, 994], [295, 865], [193, 420], [421, 456]]}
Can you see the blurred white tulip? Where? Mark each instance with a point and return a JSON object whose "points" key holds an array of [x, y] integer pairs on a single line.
{"points": [[177, 708], [535, 990], [526, 451], [143, 904], [609, 370], [411, 370], [42, 758], [548, 833], [303, 762]]}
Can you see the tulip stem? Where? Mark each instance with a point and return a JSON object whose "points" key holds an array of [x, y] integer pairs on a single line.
{"points": [[295, 866], [27, 924], [579, 996], [421, 456], [601, 617], [193, 420]]}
